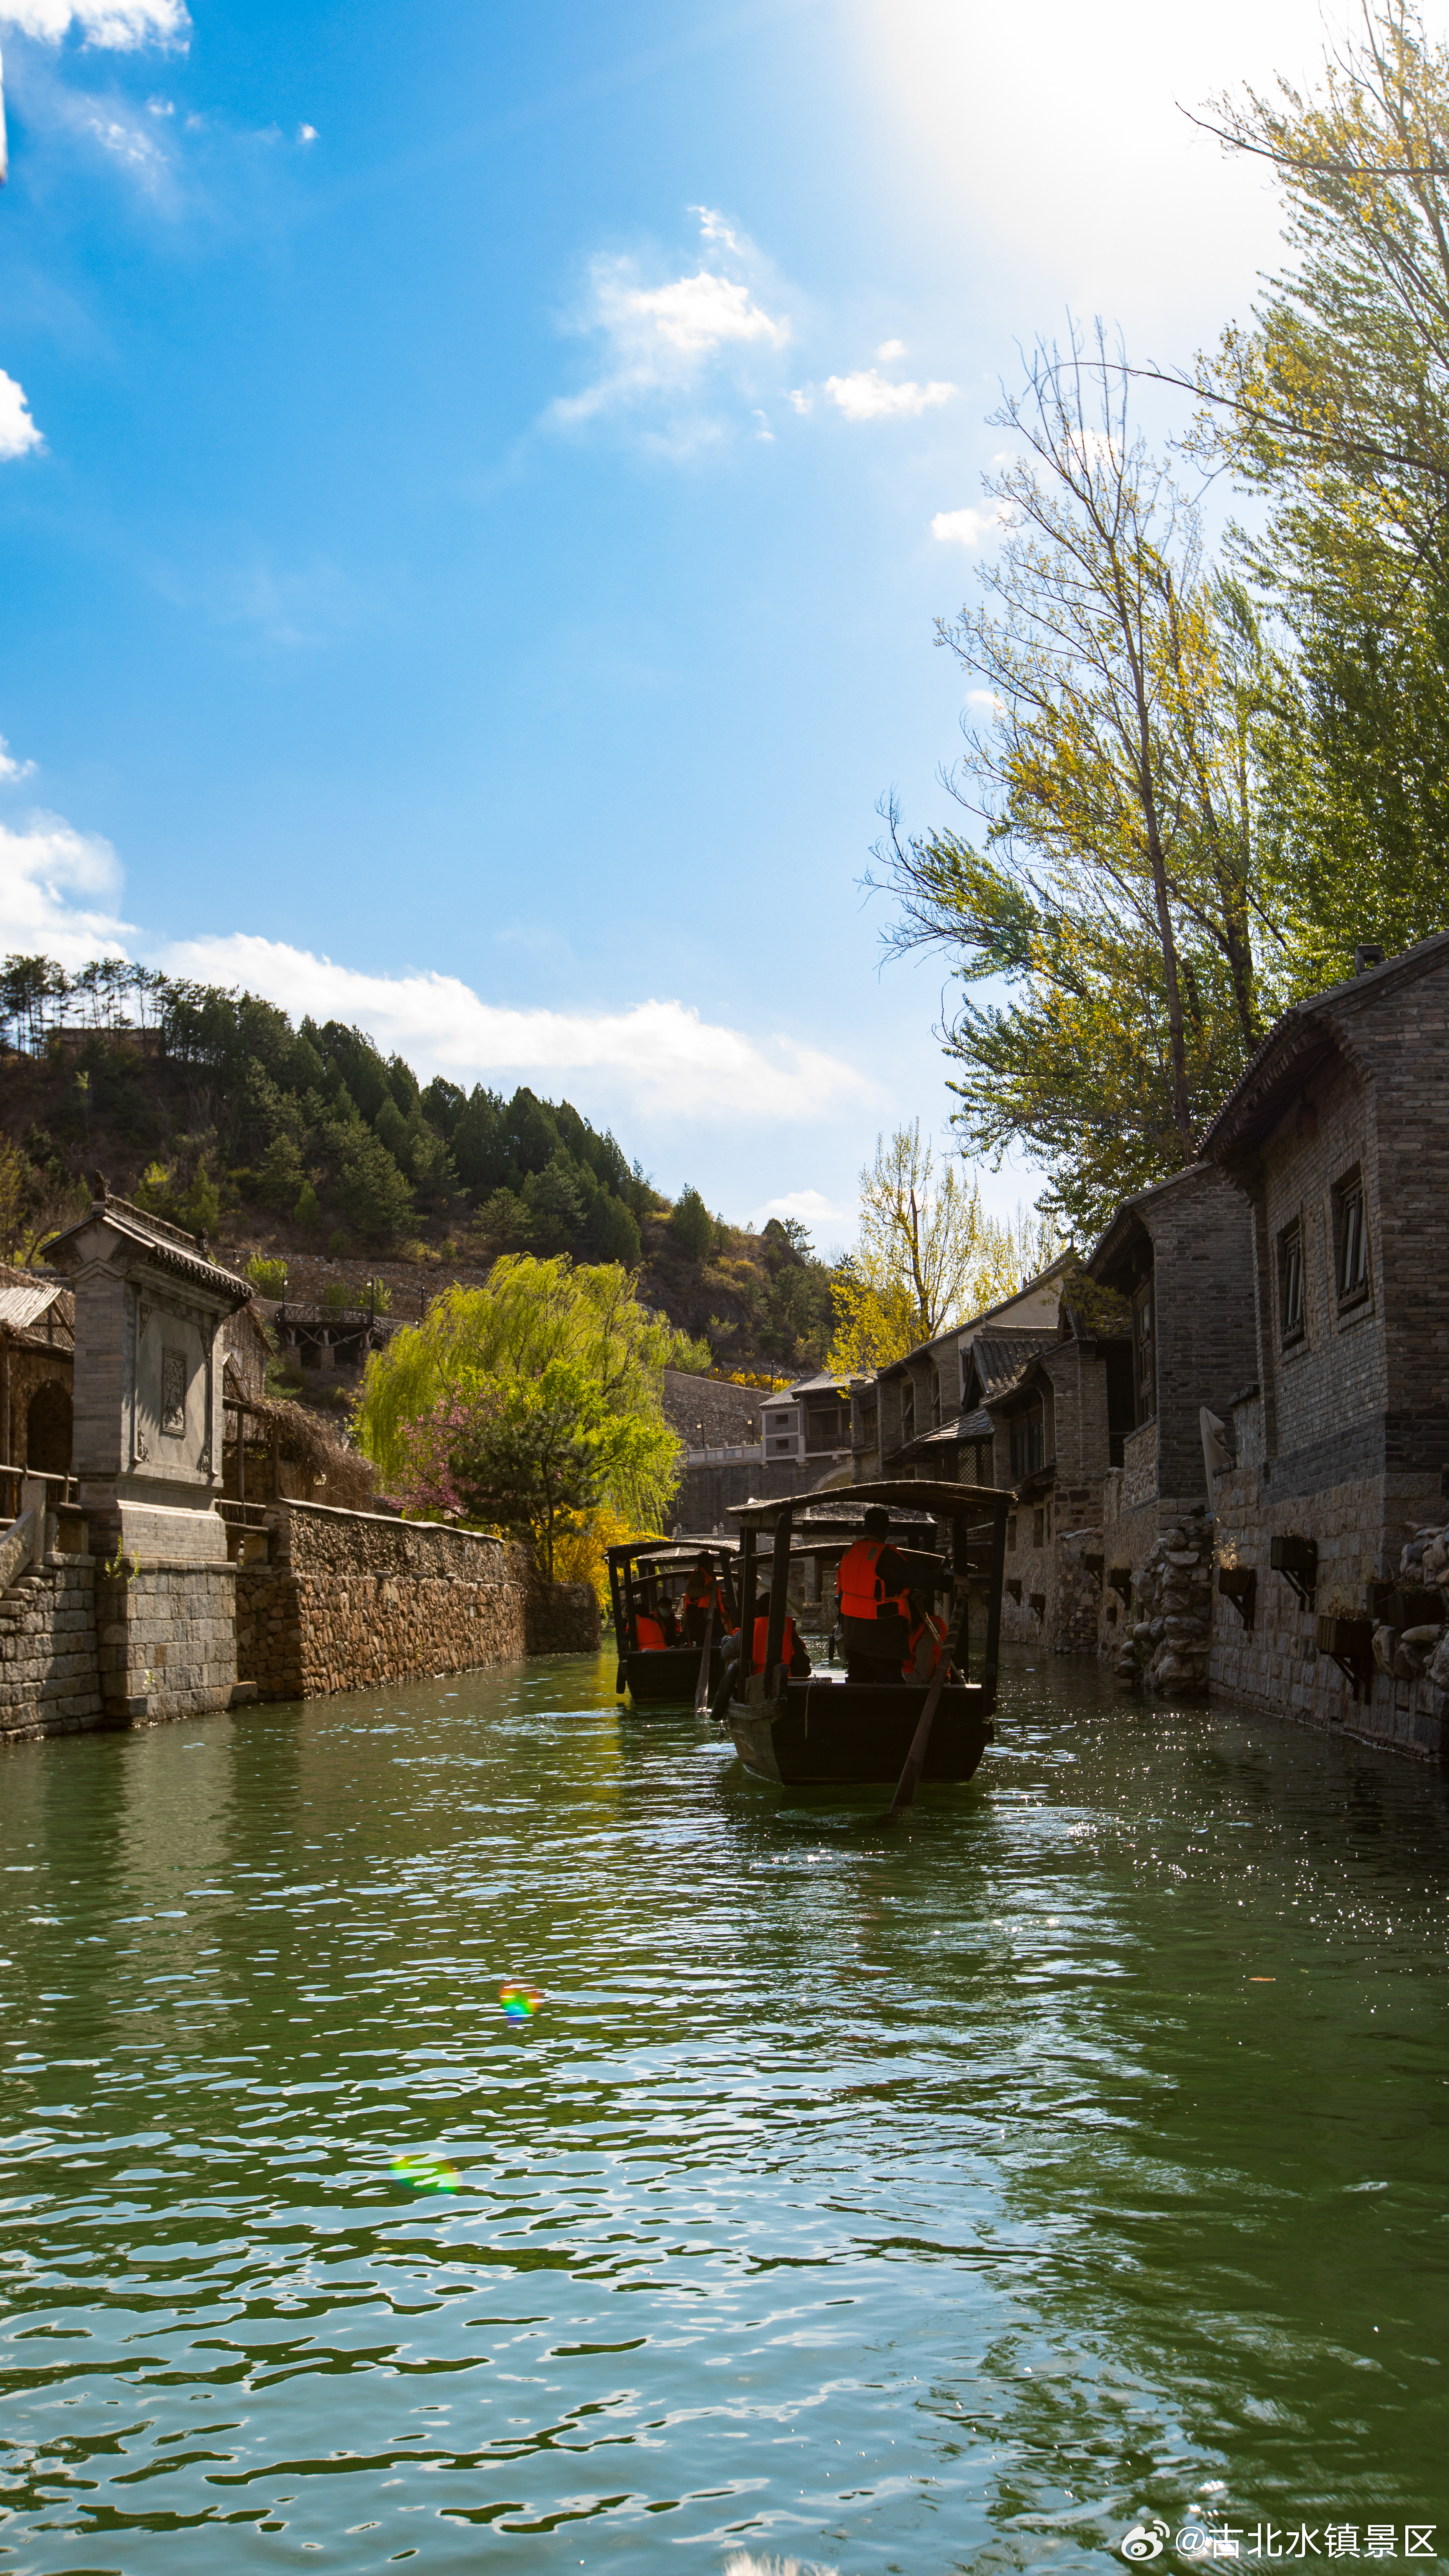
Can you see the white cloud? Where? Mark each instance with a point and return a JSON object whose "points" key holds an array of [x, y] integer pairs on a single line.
{"points": [[868, 395], [126, 142], [694, 314], [661, 1053], [968, 527], [18, 433], [891, 349], [48, 875], [10, 768], [802, 402], [987, 702], [120, 25], [662, 340], [713, 228], [306, 133], [809, 1207]]}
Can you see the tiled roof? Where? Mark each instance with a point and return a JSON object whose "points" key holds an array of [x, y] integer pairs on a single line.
{"points": [[22, 1308]]}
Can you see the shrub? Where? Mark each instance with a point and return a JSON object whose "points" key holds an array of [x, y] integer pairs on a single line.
{"points": [[269, 1278]]}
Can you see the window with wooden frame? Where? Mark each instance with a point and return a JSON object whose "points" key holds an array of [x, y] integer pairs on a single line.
{"points": [[1290, 1283], [1350, 1241], [1144, 1355], [1028, 1441]]}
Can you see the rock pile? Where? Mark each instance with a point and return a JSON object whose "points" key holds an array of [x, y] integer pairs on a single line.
{"points": [[1167, 1643], [1422, 1650]]}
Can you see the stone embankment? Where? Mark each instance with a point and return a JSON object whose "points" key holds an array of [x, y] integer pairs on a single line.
{"points": [[345, 1600], [321, 1600], [1169, 1635], [49, 1684]]}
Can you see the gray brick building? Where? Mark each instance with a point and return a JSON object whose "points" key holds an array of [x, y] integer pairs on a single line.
{"points": [[1336, 1140]]}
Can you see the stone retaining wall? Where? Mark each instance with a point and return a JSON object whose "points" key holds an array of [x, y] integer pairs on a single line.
{"points": [[1276, 1665], [347, 1600], [48, 1679], [165, 1639]]}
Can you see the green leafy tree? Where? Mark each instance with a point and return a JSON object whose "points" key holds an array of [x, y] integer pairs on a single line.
{"points": [[1118, 886], [366, 1185], [555, 1200], [1332, 404], [528, 1315], [613, 1232], [691, 1224], [528, 1457]]}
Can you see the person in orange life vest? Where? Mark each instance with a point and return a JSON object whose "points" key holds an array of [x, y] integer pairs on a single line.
{"points": [[652, 1640], [877, 1612], [924, 1653], [792, 1653], [701, 1593]]}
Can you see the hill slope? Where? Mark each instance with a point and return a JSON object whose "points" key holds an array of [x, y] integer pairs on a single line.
{"points": [[304, 1145]]}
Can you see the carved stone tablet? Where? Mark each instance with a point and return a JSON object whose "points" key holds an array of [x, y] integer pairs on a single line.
{"points": [[173, 1392]]}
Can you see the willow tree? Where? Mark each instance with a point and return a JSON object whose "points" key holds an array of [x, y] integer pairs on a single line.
{"points": [[475, 1344], [1114, 877]]}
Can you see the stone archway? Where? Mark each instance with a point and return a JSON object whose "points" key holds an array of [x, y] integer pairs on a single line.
{"points": [[48, 1425]]}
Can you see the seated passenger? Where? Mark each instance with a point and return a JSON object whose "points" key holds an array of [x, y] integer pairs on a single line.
{"points": [[927, 1641], [701, 1594], [792, 1652], [652, 1640]]}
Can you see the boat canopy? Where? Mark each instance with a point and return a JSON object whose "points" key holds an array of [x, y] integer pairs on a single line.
{"points": [[838, 1514]]}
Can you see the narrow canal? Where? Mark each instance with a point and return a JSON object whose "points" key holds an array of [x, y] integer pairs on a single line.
{"points": [[944, 2198]]}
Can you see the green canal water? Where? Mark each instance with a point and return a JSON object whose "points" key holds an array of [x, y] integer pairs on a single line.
{"points": [[953, 2197]]}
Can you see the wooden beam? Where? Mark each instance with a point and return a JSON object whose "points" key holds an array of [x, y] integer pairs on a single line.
{"points": [[779, 1592]]}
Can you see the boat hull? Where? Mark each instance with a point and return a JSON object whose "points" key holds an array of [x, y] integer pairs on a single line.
{"points": [[666, 1676], [857, 1734]]}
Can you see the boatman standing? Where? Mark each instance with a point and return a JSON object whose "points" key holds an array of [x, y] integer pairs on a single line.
{"points": [[879, 1615], [702, 1593]]}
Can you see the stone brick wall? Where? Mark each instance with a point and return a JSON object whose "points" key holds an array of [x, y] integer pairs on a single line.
{"points": [[1206, 1336], [49, 1684], [1031, 1567], [165, 1639], [1359, 1525], [730, 1414], [562, 1619], [350, 1599]]}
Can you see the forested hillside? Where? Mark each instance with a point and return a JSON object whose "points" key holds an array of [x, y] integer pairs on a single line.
{"points": [[305, 1145]]}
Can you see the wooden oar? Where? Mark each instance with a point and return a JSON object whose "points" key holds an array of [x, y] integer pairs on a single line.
{"points": [[915, 1761], [701, 1688]]}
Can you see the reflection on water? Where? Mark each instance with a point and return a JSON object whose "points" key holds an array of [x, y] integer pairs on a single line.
{"points": [[928, 2198]]}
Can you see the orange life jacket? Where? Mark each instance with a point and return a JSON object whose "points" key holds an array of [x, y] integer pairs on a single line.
{"points": [[926, 1626], [652, 1639], [787, 1650], [859, 1589]]}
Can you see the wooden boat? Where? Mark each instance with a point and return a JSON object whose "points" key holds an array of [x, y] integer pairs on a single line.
{"points": [[645, 1575], [830, 1731]]}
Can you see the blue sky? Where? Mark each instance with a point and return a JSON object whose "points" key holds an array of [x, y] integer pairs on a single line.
{"points": [[476, 484]]}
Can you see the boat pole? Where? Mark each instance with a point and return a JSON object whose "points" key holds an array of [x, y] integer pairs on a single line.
{"points": [[746, 1663], [915, 1761], [1000, 1508], [779, 1588], [701, 1687]]}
